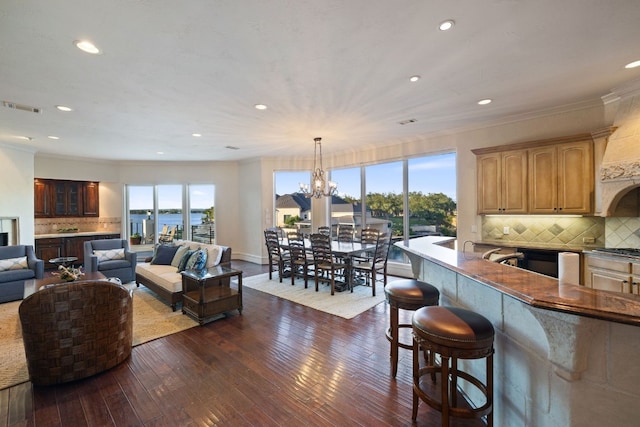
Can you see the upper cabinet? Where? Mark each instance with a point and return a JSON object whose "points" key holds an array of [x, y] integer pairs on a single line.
{"points": [[60, 198], [541, 177], [502, 182], [561, 179]]}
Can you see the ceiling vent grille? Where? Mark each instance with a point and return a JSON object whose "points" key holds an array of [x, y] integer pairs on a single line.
{"points": [[406, 122], [22, 107]]}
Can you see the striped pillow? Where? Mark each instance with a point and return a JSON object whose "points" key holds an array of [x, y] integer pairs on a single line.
{"points": [[19, 263]]}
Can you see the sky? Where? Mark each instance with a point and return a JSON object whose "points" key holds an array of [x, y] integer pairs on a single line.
{"points": [[170, 196], [430, 174]]}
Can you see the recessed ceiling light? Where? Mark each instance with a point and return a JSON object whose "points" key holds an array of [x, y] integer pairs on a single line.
{"points": [[160, 152], [87, 46], [414, 78], [63, 108], [633, 64], [53, 137], [260, 107], [26, 138], [197, 135], [484, 101], [446, 25]]}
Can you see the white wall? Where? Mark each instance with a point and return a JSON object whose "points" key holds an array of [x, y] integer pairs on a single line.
{"points": [[16, 189]]}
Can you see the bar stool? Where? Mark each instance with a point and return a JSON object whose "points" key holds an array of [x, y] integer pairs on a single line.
{"points": [[454, 333], [405, 294]]}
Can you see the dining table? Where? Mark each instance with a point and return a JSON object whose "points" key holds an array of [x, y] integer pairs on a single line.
{"points": [[345, 250]]}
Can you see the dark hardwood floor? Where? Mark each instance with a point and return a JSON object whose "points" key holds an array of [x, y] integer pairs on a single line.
{"points": [[279, 363]]}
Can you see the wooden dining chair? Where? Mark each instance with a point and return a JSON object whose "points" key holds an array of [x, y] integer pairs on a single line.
{"points": [[277, 257], [324, 261], [326, 230], [301, 261], [345, 233], [377, 264]]}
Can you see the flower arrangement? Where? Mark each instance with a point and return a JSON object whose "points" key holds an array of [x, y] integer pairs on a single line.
{"points": [[69, 274]]}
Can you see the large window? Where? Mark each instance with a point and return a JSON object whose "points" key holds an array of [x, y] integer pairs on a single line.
{"points": [[157, 213]]}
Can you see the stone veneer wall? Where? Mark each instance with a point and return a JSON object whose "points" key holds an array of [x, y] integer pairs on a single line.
{"points": [[550, 230], [51, 225]]}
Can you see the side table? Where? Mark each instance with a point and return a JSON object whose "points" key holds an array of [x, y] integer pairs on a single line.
{"points": [[206, 293]]}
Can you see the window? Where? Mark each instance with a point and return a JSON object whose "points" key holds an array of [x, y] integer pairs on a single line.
{"points": [[202, 213]]}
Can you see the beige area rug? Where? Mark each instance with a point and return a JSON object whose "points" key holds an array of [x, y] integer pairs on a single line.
{"points": [[151, 319], [343, 304]]}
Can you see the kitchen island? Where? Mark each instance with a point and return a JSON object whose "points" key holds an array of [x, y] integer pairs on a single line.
{"points": [[565, 354]]}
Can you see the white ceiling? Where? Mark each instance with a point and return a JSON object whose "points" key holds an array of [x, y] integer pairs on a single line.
{"points": [[338, 69]]}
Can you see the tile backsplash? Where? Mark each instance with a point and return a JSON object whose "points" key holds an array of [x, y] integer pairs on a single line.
{"points": [[51, 225], [623, 232], [549, 230]]}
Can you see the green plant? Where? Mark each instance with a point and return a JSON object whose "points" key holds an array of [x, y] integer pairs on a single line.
{"points": [[136, 236]]}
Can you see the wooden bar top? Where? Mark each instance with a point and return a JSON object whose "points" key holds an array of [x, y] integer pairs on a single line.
{"points": [[531, 288]]}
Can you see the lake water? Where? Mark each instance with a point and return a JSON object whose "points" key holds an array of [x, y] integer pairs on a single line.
{"points": [[136, 221]]}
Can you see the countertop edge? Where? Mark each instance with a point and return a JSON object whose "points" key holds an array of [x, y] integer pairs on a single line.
{"points": [[76, 234], [530, 288]]}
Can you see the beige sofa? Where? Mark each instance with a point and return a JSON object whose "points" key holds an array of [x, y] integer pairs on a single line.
{"points": [[164, 278]]}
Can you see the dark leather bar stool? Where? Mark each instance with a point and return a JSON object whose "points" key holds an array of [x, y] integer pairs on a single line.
{"points": [[405, 294], [454, 333]]}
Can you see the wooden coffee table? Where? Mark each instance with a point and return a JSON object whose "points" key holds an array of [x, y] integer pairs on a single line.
{"points": [[34, 285]]}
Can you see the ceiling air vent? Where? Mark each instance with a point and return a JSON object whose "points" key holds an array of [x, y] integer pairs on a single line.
{"points": [[22, 107], [231, 147], [406, 122]]}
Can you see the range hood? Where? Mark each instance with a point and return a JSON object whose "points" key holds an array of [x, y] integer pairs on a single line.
{"points": [[620, 168]]}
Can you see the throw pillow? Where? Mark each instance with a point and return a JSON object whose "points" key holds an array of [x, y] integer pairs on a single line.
{"points": [[184, 260], [197, 260], [109, 254], [179, 254], [19, 263], [164, 255]]}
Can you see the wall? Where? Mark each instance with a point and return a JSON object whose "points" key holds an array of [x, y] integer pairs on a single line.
{"points": [[16, 189]]}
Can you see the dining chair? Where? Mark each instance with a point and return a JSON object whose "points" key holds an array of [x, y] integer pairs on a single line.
{"points": [[324, 261], [345, 233], [377, 264], [300, 260], [277, 257], [326, 230]]}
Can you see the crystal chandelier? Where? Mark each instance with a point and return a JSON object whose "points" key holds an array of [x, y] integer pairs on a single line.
{"points": [[319, 185]]}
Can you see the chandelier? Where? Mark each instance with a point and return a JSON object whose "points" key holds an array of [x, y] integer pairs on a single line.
{"points": [[319, 185]]}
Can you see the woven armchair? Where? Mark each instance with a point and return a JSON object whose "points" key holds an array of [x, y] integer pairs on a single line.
{"points": [[75, 330]]}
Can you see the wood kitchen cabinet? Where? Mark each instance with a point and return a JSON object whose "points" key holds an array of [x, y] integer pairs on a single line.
{"points": [[60, 198], [561, 179], [49, 248], [502, 182], [610, 273]]}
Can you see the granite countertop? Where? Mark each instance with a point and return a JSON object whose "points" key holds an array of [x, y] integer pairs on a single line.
{"points": [[528, 287], [75, 234]]}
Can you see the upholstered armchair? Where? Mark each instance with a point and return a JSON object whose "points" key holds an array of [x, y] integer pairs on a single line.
{"points": [[17, 264], [110, 257]]}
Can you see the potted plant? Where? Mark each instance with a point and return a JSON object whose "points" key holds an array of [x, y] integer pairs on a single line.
{"points": [[135, 239]]}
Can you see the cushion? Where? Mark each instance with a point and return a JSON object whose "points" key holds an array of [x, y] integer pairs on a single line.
{"points": [[197, 260], [179, 254], [108, 254], [164, 254], [19, 263], [184, 260], [214, 255]]}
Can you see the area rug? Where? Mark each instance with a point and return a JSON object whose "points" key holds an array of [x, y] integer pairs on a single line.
{"points": [[343, 304], [151, 319]]}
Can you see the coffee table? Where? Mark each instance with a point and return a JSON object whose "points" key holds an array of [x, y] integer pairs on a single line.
{"points": [[34, 285]]}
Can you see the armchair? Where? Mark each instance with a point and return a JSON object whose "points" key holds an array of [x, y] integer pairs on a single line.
{"points": [[17, 264], [110, 257]]}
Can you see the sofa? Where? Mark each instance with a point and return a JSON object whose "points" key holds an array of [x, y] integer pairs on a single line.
{"points": [[110, 257], [75, 330], [161, 272], [17, 264]]}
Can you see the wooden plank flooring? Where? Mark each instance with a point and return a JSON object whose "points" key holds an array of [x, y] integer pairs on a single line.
{"points": [[278, 363]]}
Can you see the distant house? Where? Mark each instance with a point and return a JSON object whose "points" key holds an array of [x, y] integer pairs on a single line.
{"points": [[342, 212]]}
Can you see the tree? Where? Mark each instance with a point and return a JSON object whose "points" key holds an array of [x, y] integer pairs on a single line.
{"points": [[208, 215]]}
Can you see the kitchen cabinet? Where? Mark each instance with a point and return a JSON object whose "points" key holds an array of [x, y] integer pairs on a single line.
{"points": [[47, 249], [91, 199], [61, 198], [502, 182], [42, 198], [611, 273], [561, 179]]}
